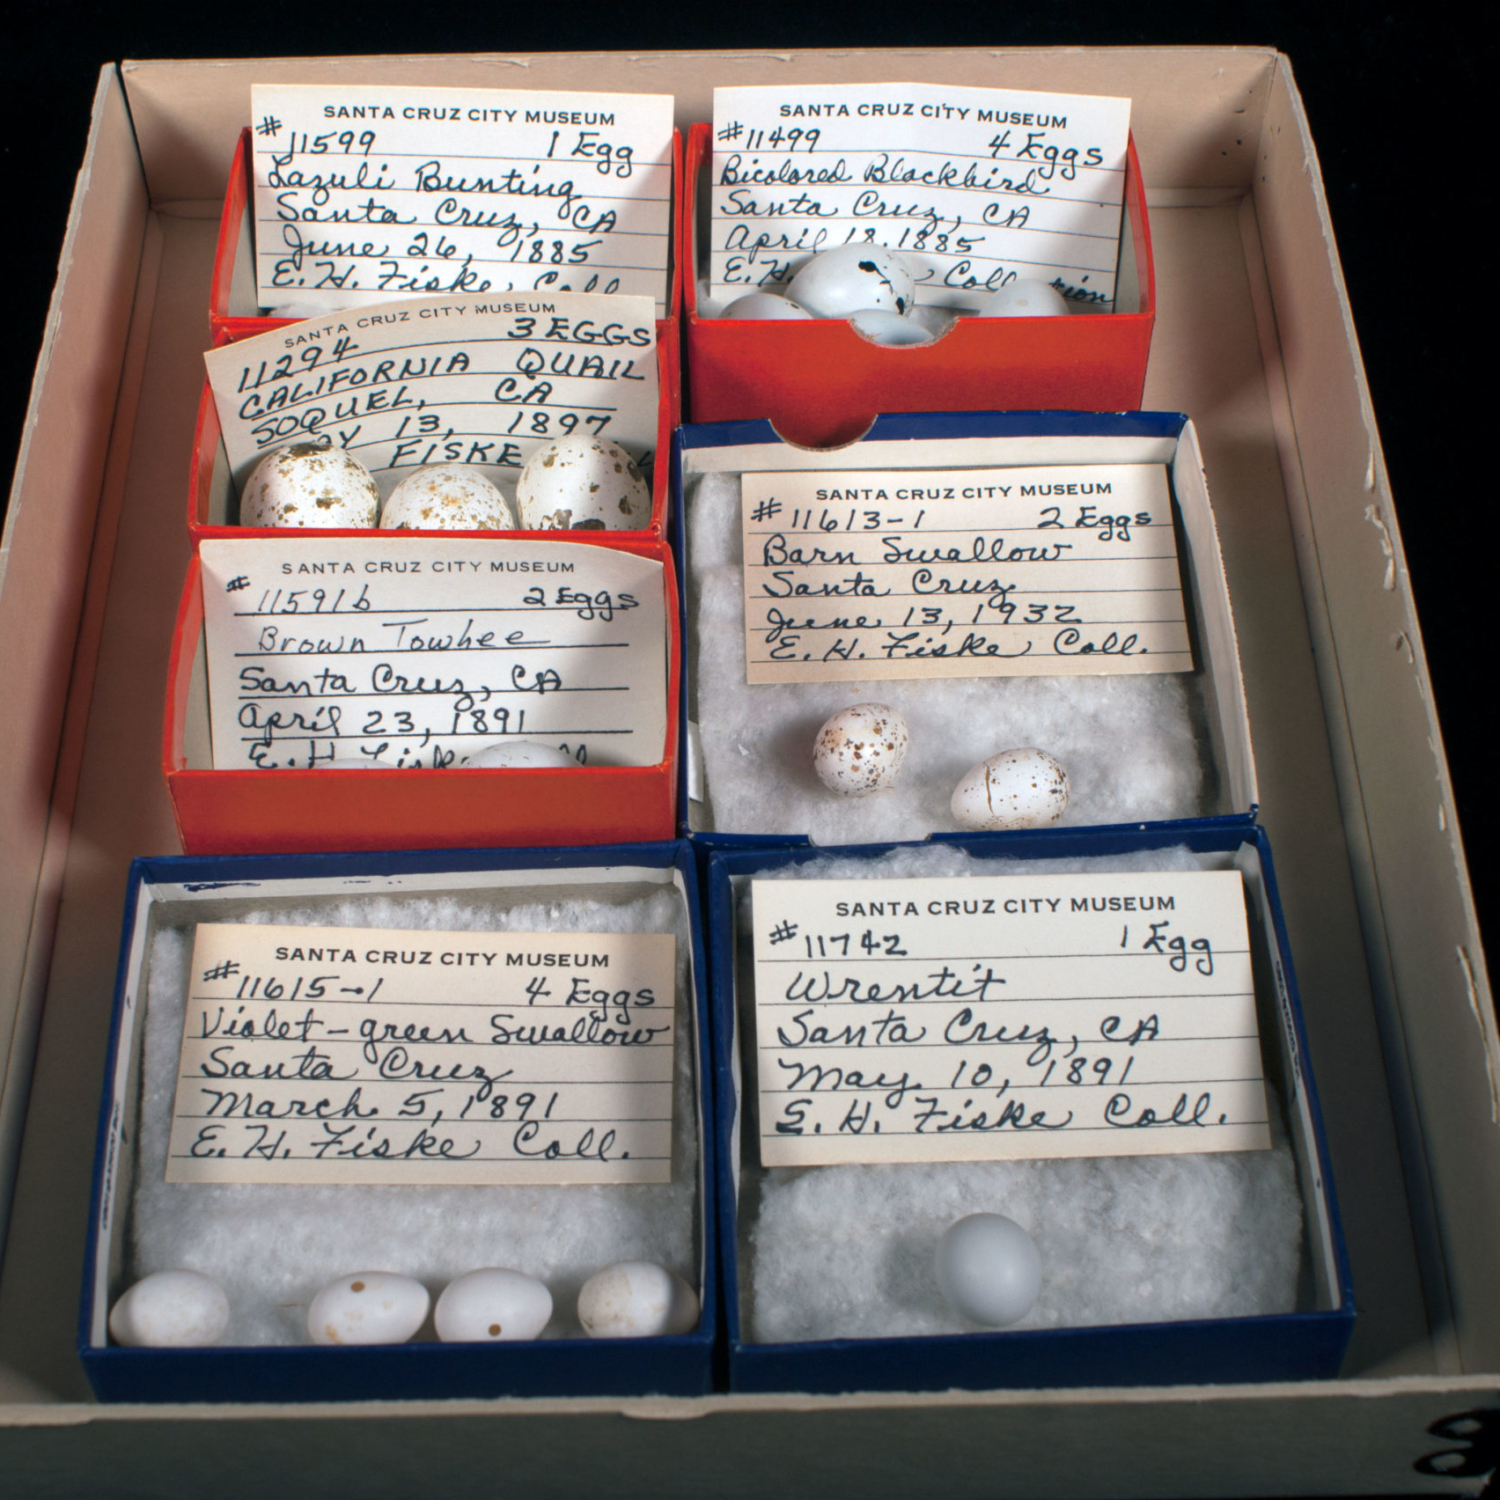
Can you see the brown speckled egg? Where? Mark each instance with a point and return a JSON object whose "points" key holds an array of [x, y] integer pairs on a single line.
{"points": [[1015, 789], [582, 484], [447, 497], [861, 749], [310, 484]]}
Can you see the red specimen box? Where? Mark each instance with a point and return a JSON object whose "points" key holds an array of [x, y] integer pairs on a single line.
{"points": [[323, 810], [822, 384], [234, 310], [213, 502], [235, 314]]}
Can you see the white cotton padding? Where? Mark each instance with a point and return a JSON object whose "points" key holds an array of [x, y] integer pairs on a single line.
{"points": [[273, 1247], [850, 1251], [1135, 747]]}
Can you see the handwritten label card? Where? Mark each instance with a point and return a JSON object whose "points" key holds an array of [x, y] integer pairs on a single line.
{"points": [[474, 380], [357, 1054], [977, 187], [974, 573], [419, 650], [998, 1017], [368, 192]]}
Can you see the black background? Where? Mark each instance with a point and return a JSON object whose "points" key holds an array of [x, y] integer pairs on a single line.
{"points": [[1394, 98]]}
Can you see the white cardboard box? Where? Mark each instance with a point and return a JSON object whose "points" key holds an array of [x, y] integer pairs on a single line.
{"points": [[1254, 340]]}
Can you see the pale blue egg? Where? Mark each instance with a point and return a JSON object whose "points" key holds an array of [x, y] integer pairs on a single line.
{"points": [[988, 1269], [850, 278], [889, 327], [1024, 299], [764, 305]]}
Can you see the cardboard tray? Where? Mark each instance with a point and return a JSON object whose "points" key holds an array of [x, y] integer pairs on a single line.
{"points": [[820, 382], [678, 1365], [1305, 1344], [1253, 338]]}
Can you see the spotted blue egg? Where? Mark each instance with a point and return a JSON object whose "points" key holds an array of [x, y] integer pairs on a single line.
{"points": [[850, 278]]}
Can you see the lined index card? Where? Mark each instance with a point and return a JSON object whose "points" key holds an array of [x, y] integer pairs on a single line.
{"points": [[366, 1055], [999, 1017], [418, 651], [475, 380], [976, 187], [1070, 569], [367, 192]]}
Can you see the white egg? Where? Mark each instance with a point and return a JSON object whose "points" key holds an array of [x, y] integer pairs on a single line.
{"points": [[764, 305], [170, 1310], [582, 483], [852, 277], [889, 328], [988, 1269], [861, 749], [447, 497], [369, 1307], [519, 753], [310, 484], [1024, 299], [1015, 789], [636, 1300], [492, 1305]]}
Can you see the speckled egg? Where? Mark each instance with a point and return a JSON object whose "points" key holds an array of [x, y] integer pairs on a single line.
{"points": [[882, 327], [861, 749], [636, 1300], [492, 1306], [764, 305], [170, 1310], [582, 484], [1015, 789], [1024, 299], [988, 1269], [447, 497], [519, 753], [369, 1307], [310, 484], [851, 277]]}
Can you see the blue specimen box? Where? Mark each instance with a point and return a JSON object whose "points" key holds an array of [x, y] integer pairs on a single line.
{"points": [[1305, 1344], [958, 441], [180, 891]]}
